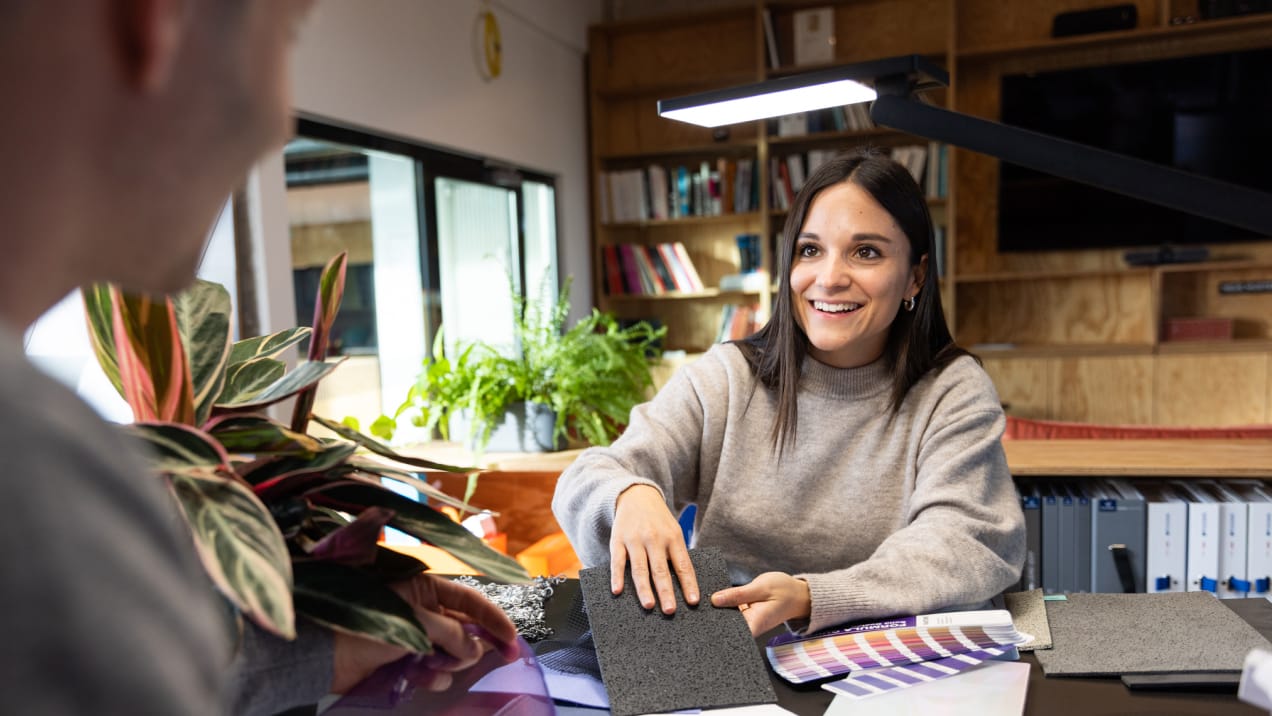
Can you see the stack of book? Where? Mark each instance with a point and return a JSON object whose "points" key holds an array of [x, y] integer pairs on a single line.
{"points": [[905, 649]]}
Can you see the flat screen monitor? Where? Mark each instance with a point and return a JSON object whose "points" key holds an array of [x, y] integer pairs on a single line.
{"points": [[1207, 114]]}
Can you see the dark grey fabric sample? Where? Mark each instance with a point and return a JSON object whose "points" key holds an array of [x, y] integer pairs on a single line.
{"points": [[1115, 634], [1029, 614], [700, 657]]}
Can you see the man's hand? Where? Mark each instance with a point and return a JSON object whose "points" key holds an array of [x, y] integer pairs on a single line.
{"points": [[646, 535], [444, 608], [769, 600]]}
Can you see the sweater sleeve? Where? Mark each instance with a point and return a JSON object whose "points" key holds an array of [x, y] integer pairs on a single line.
{"points": [[661, 447], [963, 542], [270, 675]]}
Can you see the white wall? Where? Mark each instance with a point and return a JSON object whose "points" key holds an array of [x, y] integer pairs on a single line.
{"points": [[407, 67]]}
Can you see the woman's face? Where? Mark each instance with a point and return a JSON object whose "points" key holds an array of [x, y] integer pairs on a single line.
{"points": [[850, 272]]}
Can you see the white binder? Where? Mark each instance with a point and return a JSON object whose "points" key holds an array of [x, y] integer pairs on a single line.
{"points": [[1258, 536], [1203, 538], [1233, 520], [1166, 539]]}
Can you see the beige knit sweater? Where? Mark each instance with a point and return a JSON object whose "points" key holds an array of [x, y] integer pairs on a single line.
{"points": [[881, 513]]}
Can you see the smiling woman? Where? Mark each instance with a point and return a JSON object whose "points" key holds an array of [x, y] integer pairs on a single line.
{"points": [[850, 275], [845, 459]]}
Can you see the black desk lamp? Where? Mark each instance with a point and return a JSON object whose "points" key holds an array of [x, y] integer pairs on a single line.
{"points": [[892, 83]]}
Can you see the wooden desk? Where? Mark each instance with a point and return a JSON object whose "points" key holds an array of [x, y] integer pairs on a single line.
{"points": [[1140, 458], [453, 453]]}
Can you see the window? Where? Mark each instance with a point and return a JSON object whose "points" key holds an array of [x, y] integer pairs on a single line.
{"points": [[437, 241]]}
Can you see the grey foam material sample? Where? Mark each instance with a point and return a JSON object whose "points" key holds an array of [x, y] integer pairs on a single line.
{"points": [[699, 657], [1115, 634], [1029, 614]]}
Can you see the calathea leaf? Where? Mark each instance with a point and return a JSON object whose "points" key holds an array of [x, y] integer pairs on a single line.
{"points": [[244, 381], [99, 310], [355, 543], [305, 376], [424, 523], [239, 545], [350, 600], [203, 319], [153, 369], [177, 446], [255, 435], [330, 293], [264, 472], [432, 493], [380, 448], [267, 346]]}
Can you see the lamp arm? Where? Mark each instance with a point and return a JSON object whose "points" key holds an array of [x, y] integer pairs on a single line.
{"points": [[1229, 203]]}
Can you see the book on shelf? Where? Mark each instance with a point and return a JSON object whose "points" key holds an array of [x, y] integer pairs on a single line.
{"points": [[659, 207], [686, 264], [648, 275], [814, 37], [648, 270], [860, 646], [770, 40], [792, 125], [613, 271], [738, 321], [753, 281], [724, 185], [665, 280], [913, 158], [795, 168]]}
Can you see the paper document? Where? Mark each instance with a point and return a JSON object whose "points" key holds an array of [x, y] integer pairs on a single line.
{"points": [[995, 688]]}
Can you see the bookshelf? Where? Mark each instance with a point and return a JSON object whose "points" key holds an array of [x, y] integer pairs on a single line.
{"points": [[752, 167], [1066, 335]]}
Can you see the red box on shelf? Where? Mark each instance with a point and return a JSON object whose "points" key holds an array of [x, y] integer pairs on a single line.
{"points": [[1198, 329]]}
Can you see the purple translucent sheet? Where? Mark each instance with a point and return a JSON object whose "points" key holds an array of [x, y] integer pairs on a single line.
{"points": [[492, 687]]}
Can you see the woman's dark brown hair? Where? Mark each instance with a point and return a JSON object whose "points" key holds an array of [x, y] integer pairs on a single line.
{"points": [[918, 340]]}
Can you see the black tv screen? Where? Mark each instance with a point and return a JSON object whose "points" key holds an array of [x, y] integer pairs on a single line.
{"points": [[1207, 114]]}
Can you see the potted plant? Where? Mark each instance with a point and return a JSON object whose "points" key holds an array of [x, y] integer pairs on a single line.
{"points": [[283, 521], [578, 383]]}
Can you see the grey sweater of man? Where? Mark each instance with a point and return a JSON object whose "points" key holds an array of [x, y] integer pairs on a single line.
{"points": [[881, 513], [107, 610]]}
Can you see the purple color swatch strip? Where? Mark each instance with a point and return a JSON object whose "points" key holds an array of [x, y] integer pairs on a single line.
{"points": [[815, 659], [890, 678]]}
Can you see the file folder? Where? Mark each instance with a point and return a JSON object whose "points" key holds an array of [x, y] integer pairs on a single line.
{"points": [[1030, 574], [1233, 515], [1050, 540], [1258, 536], [1081, 552], [1117, 523], [1203, 539], [1166, 539]]}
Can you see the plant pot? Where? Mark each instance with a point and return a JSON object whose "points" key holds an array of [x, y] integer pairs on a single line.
{"points": [[526, 427]]}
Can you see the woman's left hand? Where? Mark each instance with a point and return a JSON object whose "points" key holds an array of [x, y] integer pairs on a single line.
{"points": [[770, 599]]}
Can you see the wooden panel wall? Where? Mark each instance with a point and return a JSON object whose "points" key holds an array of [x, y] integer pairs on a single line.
{"points": [[1112, 389], [988, 23], [1216, 389], [720, 44], [1079, 309]]}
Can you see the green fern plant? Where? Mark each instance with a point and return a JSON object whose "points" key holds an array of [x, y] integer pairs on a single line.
{"points": [[591, 375]]}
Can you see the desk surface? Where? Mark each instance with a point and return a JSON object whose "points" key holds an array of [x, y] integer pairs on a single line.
{"points": [[1141, 458], [1057, 696]]}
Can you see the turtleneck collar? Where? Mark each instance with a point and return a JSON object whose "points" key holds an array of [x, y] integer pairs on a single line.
{"points": [[866, 381]]}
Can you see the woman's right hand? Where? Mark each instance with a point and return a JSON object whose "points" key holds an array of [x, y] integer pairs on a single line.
{"points": [[647, 537]]}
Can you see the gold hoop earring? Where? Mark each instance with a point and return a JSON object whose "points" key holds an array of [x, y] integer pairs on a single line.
{"points": [[909, 303]]}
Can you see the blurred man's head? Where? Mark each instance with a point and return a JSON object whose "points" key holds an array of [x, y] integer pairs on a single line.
{"points": [[128, 123]]}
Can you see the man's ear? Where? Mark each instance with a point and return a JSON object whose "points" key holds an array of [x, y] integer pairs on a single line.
{"points": [[148, 35]]}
